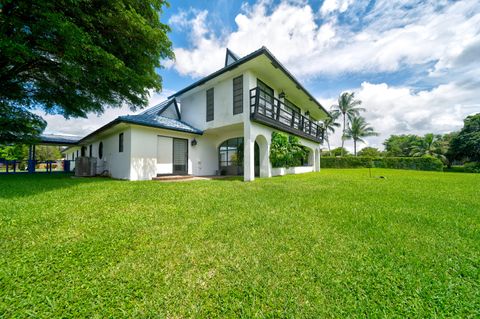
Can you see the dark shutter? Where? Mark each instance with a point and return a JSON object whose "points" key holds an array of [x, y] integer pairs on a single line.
{"points": [[238, 95], [90, 150], [120, 142], [210, 105]]}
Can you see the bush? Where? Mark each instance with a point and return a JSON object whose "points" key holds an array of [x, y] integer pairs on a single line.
{"points": [[286, 151], [472, 167], [415, 163]]}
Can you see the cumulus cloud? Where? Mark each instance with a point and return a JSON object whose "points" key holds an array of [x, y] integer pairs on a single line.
{"points": [[57, 124], [400, 110], [438, 39], [390, 36]]}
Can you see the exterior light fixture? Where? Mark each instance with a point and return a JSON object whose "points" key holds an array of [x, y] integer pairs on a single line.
{"points": [[281, 95], [193, 142]]}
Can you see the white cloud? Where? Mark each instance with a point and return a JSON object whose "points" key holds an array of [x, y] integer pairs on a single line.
{"points": [[399, 110], [330, 6], [391, 36], [57, 124]]}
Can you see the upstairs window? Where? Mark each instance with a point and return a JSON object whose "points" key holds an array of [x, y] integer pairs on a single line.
{"points": [[120, 142], [238, 95], [210, 105]]}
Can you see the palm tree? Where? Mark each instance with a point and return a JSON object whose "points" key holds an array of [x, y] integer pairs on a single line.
{"points": [[329, 125], [357, 129], [347, 107], [430, 145]]}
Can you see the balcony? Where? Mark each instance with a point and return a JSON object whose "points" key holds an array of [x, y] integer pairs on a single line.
{"points": [[270, 111]]}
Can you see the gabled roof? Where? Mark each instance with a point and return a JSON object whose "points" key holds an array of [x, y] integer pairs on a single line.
{"points": [[230, 57], [161, 107], [263, 50]]}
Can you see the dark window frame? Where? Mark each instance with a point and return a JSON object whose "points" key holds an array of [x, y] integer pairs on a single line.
{"points": [[90, 150], [100, 150], [210, 105], [120, 142], [237, 95]]}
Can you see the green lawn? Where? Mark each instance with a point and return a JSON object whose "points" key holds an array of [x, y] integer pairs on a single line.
{"points": [[329, 244]]}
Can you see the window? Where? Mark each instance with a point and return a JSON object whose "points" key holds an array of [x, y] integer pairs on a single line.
{"points": [[100, 150], [83, 150], [230, 154], [210, 105], [90, 150], [120, 142], [265, 99], [77, 153], [266, 92], [292, 106], [238, 95]]}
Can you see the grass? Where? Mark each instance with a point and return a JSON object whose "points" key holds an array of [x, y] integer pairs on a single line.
{"points": [[329, 244]]}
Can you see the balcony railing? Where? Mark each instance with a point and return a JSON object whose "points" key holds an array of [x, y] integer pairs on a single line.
{"points": [[270, 111]]}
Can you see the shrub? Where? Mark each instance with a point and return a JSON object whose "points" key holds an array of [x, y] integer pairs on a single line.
{"points": [[472, 167], [415, 163], [286, 151]]}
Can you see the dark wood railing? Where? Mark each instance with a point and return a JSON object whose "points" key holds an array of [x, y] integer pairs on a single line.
{"points": [[270, 111]]}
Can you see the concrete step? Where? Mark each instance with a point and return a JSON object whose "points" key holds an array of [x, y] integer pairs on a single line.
{"points": [[172, 177]]}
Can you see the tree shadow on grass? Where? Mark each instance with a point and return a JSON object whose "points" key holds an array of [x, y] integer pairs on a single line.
{"points": [[23, 185]]}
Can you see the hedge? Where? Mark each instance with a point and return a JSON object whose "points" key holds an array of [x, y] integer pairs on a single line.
{"points": [[416, 163]]}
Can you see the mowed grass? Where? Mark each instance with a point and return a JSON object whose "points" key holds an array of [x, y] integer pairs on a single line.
{"points": [[331, 244]]}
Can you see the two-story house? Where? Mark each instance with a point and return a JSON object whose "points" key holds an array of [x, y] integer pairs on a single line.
{"points": [[221, 124]]}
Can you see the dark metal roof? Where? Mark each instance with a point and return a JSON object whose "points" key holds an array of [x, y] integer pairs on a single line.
{"points": [[268, 54], [150, 119], [160, 122], [58, 139]]}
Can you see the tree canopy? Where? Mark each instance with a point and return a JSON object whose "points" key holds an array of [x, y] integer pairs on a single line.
{"points": [[466, 144], [76, 57]]}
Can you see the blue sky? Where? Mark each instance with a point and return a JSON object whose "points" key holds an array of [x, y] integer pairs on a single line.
{"points": [[414, 64]]}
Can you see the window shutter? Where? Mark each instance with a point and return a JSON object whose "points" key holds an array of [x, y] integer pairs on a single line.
{"points": [[238, 95], [210, 105]]}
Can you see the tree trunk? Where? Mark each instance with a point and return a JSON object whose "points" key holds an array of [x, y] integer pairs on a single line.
{"points": [[343, 134], [328, 144], [355, 147]]}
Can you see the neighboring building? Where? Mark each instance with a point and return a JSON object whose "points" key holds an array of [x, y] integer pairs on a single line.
{"points": [[204, 128]]}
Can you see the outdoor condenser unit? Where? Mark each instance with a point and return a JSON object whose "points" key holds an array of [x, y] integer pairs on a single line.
{"points": [[85, 166]]}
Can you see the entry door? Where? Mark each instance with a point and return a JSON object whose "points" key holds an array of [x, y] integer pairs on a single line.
{"points": [[180, 156]]}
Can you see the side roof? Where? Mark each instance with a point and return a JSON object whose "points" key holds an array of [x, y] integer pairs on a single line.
{"points": [[263, 50], [151, 118]]}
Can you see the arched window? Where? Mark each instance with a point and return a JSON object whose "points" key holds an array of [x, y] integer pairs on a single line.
{"points": [[230, 155], [100, 150]]}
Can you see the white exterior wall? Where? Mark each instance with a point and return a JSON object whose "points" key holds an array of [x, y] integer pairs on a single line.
{"points": [[152, 151], [116, 163], [194, 106]]}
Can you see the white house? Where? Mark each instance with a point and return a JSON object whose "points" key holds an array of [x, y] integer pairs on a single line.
{"points": [[202, 129]]}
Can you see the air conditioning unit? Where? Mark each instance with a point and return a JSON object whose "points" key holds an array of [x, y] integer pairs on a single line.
{"points": [[85, 166]]}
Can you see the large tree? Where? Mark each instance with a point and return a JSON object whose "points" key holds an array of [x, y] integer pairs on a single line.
{"points": [[357, 129], [347, 108], [75, 57], [466, 144]]}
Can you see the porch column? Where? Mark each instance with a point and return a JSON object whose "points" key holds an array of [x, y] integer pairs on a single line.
{"points": [[31, 158], [248, 159], [317, 160]]}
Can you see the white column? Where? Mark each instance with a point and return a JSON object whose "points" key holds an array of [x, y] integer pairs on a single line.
{"points": [[265, 166], [317, 160]]}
